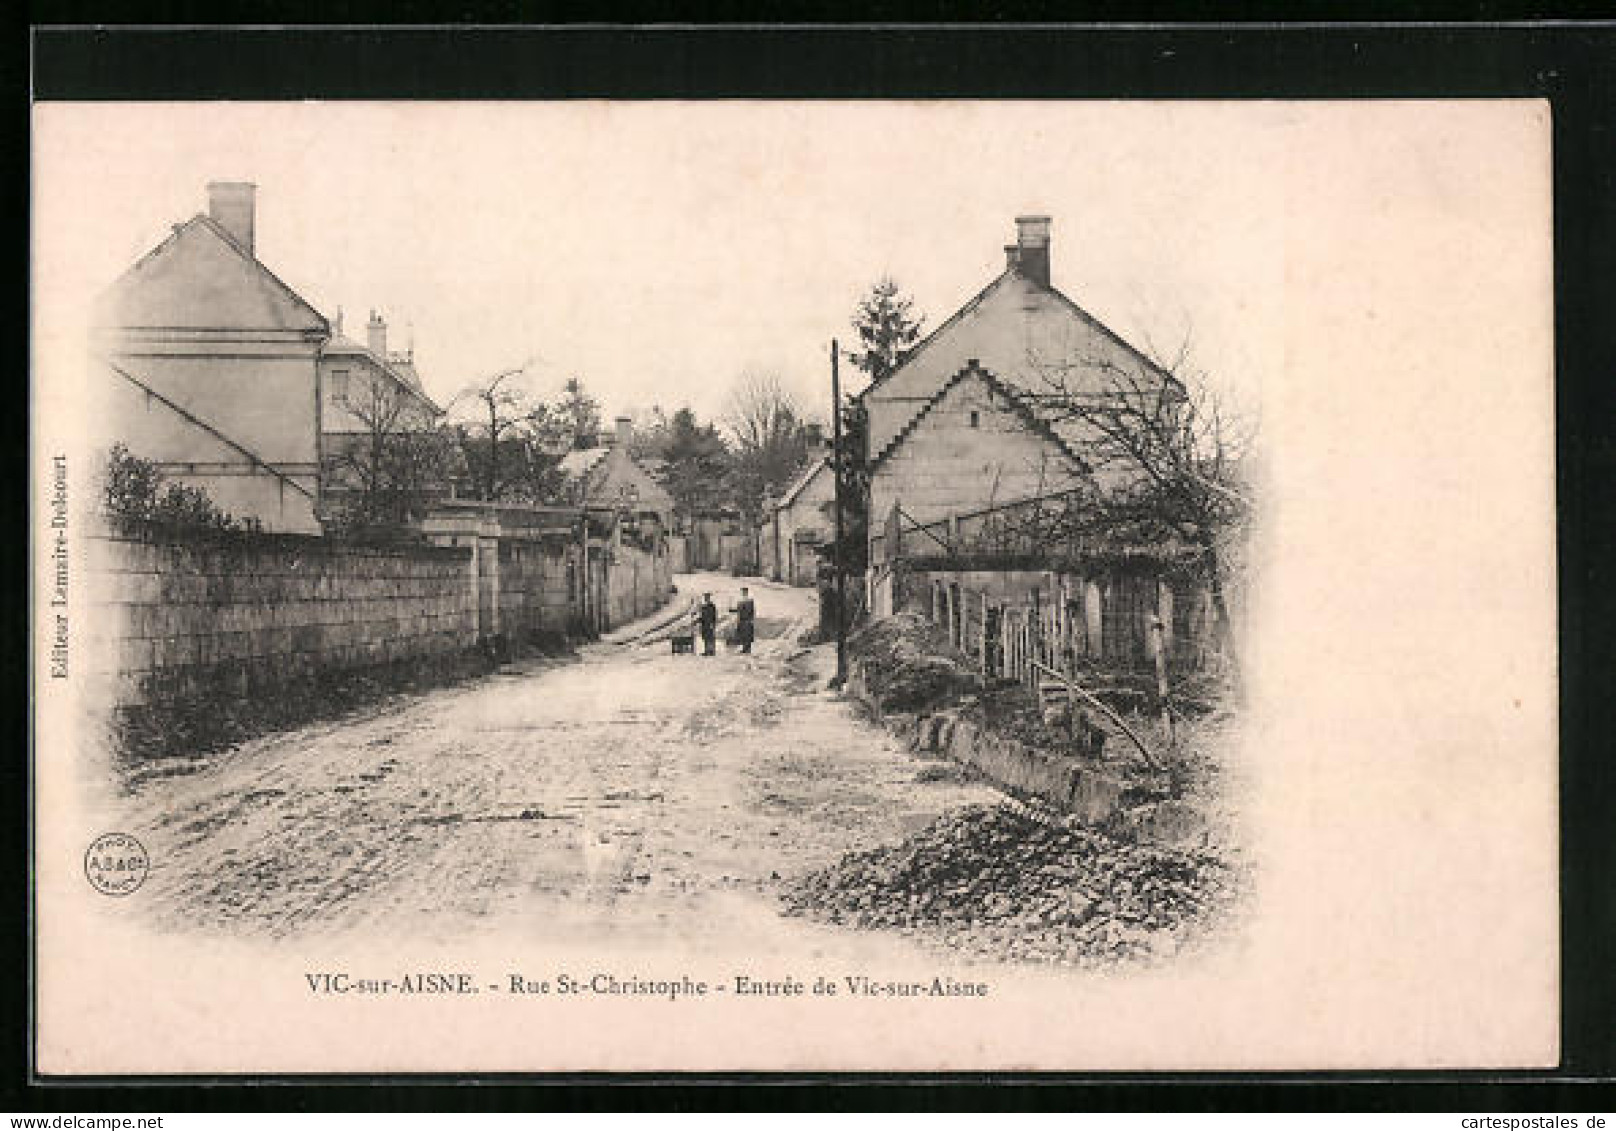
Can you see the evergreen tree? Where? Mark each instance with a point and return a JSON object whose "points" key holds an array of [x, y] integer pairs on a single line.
{"points": [[771, 440], [580, 413], [650, 434], [886, 328], [699, 464]]}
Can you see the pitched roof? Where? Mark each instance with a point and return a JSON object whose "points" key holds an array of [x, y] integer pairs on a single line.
{"points": [[581, 461], [580, 464], [405, 368], [804, 477], [976, 300], [144, 296], [1012, 397], [402, 371], [920, 346], [1116, 338]]}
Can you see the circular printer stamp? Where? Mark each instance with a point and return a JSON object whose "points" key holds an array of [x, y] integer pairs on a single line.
{"points": [[116, 864]]}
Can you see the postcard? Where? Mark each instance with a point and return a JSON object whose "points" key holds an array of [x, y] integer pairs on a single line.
{"points": [[793, 586]]}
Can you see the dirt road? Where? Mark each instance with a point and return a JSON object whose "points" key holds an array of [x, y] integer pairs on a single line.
{"points": [[629, 793]]}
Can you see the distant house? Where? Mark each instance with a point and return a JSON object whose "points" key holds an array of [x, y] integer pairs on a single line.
{"points": [[210, 367], [970, 419], [369, 395], [720, 538], [801, 522], [608, 475]]}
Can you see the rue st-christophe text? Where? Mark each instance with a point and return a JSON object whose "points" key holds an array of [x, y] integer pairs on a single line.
{"points": [[682, 987]]}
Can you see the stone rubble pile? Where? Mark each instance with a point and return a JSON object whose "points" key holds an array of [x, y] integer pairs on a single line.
{"points": [[995, 882]]}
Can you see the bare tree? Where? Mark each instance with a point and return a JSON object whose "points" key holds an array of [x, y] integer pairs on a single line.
{"points": [[1169, 457], [498, 411], [397, 460], [770, 439], [759, 410]]}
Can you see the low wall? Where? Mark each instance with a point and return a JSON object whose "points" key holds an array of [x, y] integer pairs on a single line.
{"points": [[1088, 793], [549, 571], [538, 585], [196, 615], [638, 584], [1085, 791]]}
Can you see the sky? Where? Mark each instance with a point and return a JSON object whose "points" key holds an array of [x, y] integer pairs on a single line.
{"points": [[658, 251]]}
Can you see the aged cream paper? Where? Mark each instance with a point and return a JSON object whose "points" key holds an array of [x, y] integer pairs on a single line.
{"points": [[1377, 276]]}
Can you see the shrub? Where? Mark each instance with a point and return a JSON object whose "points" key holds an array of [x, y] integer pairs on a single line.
{"points": [[131, 484], [908, 667], [133, 489]]}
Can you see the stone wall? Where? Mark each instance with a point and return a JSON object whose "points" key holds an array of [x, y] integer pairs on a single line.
{"points": [[1087, 791], [639, 582], [727, 545], [198, 616], [184, 616], [679, 553], [538, 589]]}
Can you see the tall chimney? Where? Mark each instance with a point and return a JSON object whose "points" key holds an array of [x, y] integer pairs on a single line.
{"points": [[231, 205], [625, 431], [1032, 248], [376, 335]]}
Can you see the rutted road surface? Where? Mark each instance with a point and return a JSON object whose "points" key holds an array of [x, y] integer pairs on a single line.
{"points": [[631, 794]]}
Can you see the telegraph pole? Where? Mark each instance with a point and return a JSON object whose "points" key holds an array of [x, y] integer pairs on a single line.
{"points": [[841, 572]]}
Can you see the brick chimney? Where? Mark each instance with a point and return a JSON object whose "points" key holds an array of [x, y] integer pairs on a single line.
{"points": [[625, 432], [1029, 255], [376, 335], [231, 205]]}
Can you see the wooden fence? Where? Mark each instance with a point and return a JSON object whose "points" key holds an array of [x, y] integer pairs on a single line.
{"points": [[1011, 621]]}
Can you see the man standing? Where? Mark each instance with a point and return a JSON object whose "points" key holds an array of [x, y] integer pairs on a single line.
{"points": [[707, 618], [745, 618]]}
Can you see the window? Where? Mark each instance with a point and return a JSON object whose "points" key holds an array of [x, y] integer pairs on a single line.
{"points": [[339, 386], [976, 419]]}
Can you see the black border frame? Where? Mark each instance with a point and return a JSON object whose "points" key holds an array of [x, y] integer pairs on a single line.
{"points": [[1573, 65]]}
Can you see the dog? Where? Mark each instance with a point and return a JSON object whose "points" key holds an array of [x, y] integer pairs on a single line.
{"points": [[684, 644]]}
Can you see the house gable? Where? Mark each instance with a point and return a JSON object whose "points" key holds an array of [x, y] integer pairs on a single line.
{"points": [[810, 503], [805, 478], [200, 279], [1028, 335], [974, 443], [617, 476]]}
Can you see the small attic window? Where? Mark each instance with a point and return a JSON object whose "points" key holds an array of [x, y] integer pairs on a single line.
{"points": [[976, 419]]}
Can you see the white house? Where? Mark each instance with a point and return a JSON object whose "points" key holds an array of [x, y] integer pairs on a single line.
{"points": [[971, 418], [210, 367], [801, 523]]}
